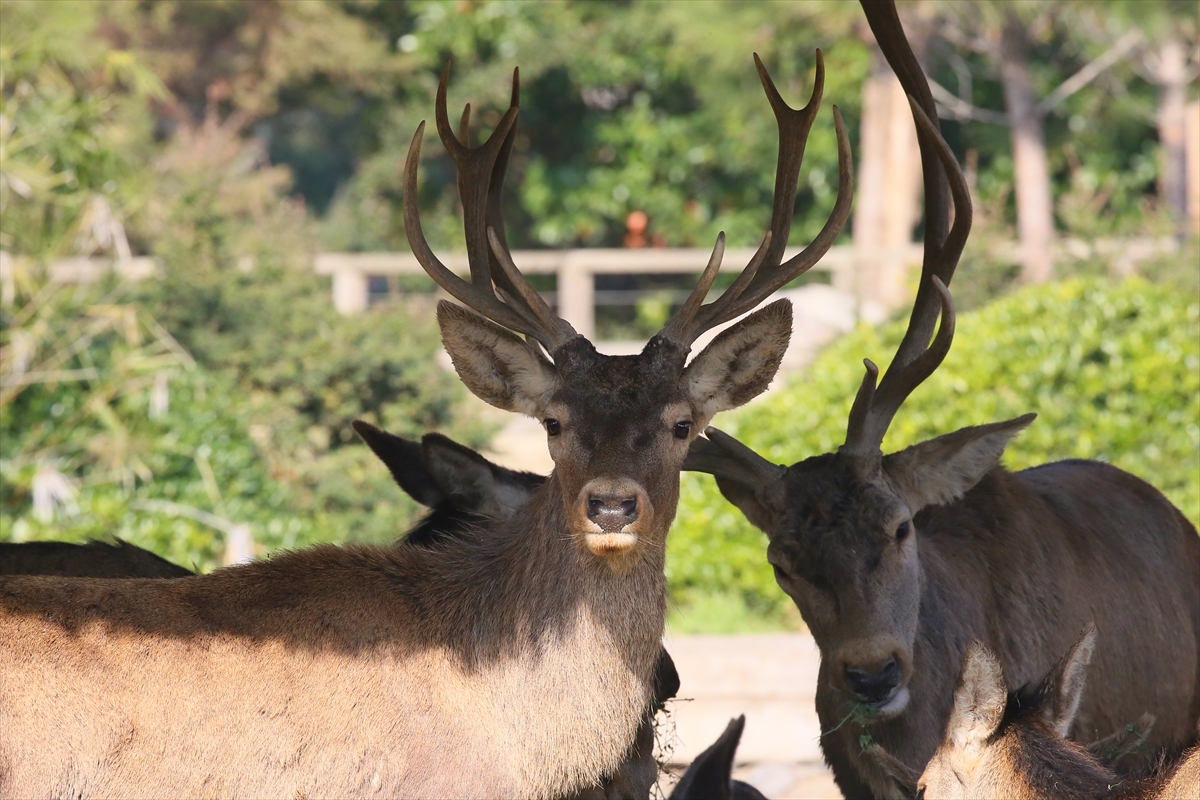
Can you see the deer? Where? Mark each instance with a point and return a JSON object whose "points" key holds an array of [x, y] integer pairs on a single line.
{"points": [[463, 489], [897, 562], [93, 559], [1011, 744], [460, 487], [518, 660], [710, 776]]}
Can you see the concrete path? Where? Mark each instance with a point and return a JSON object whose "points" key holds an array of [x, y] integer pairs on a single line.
{"points": [[771, 678]]}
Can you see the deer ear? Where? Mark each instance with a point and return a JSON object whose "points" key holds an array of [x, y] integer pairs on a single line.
{"points": [[711, 774], [746, 479], [979, 699], [476, 483], [402, 457], [497, 366], [739, 364], [944, 469], [1063, 688]]}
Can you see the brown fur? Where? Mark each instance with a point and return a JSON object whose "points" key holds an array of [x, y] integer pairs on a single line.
{"points": [[1020, 562], [510, 663], [1018, 753], [89, 560], [638, 770]]}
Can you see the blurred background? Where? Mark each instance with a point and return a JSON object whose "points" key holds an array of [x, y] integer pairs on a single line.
{"points": [[177, 369]]}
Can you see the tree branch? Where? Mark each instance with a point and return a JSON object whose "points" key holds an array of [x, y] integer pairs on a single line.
{"points": [[960, 109], [1089, 72]]}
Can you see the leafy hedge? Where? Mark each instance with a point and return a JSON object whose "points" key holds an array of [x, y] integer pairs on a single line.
{"points": [[1113, 370]]}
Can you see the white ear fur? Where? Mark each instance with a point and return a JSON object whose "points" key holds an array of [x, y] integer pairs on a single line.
{"points": [[497, 366], [979, 699], [739, 364], [943, 469], [1068, 681]]}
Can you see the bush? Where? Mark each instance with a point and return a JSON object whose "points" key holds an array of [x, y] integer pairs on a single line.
{"points": [[1113, 370]]}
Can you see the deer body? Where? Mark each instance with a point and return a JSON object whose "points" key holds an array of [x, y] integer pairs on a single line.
{"points": [[1021, 563], [303, 684], [897, 561]]}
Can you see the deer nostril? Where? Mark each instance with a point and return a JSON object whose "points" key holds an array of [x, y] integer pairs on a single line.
{"points": [[608, 511], [874, 687]]}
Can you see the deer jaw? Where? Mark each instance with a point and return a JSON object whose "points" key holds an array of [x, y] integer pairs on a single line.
{"points": [[618, 427]]}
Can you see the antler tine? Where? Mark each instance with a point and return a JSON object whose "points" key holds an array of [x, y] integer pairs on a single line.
{"points": [[916, 358], [677, 326], [480, 179], [557, 330], [874, 408], [468, 293], [475, 168], [885, 24], [764, 274]]}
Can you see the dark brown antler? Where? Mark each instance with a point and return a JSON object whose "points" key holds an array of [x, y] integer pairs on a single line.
{"points": [[480, 180], [764, 274], [916, 358]]}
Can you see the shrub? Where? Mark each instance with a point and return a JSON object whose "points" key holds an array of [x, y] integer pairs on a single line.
{"points": [[1113, 370]]}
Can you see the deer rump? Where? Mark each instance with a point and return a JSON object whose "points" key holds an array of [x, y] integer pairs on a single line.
{"points": [[461, 489]]}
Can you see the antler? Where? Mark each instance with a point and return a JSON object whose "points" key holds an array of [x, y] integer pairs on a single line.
{"points": [[480, 180], [916, 358], [764, 274]]}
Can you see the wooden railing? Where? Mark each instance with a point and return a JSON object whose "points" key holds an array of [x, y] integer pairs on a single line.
{"points": [[575, 271]]}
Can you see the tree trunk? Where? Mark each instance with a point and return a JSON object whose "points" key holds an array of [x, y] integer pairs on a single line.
{"points": [[1035, 208], [1172, 80], [888, 189]]}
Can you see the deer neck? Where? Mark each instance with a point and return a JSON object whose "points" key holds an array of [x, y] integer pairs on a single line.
{"points": [[557, 631]]}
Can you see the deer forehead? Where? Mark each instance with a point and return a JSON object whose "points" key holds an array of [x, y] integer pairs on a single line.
{"points": [[829, 498], [598, 392]]}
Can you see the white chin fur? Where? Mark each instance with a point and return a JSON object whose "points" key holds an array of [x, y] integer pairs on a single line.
{"points": [[897, 703], [610, 544]]}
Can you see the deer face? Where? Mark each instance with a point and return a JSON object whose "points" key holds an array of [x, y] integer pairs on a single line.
{"points": [[618, 427], [845, 545], [843, 548]]}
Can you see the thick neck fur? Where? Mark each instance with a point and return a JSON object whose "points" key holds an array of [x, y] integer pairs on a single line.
{"points": [[510, 662]]}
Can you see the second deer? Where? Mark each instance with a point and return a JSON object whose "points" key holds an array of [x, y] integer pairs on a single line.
{"points": [[896, 562]]}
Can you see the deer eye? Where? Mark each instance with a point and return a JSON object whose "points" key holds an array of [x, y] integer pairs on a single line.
{"points": [[552, 427], [683, 430], [903, 531]]}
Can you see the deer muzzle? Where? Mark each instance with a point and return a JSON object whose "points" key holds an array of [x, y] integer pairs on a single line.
{"points": [[610, 513]]}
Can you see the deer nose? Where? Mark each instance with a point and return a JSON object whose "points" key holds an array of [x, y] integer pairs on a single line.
{"points": [[874, 687], [611, 512]]}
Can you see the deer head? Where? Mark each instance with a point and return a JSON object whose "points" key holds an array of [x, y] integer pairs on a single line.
{"points": [[618, 427], [842, 537], [1001, 744]]}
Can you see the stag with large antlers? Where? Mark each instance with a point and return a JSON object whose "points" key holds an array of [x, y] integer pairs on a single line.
{"points": [[515, 662], [897, 561]]}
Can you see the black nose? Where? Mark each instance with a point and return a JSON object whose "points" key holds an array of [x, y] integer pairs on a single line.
{"points": [[874, 687], [612, 513]]}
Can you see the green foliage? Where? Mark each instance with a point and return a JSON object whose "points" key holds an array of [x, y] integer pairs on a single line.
{"points": [[1112, 369], [241, 414], [641, 106]]}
